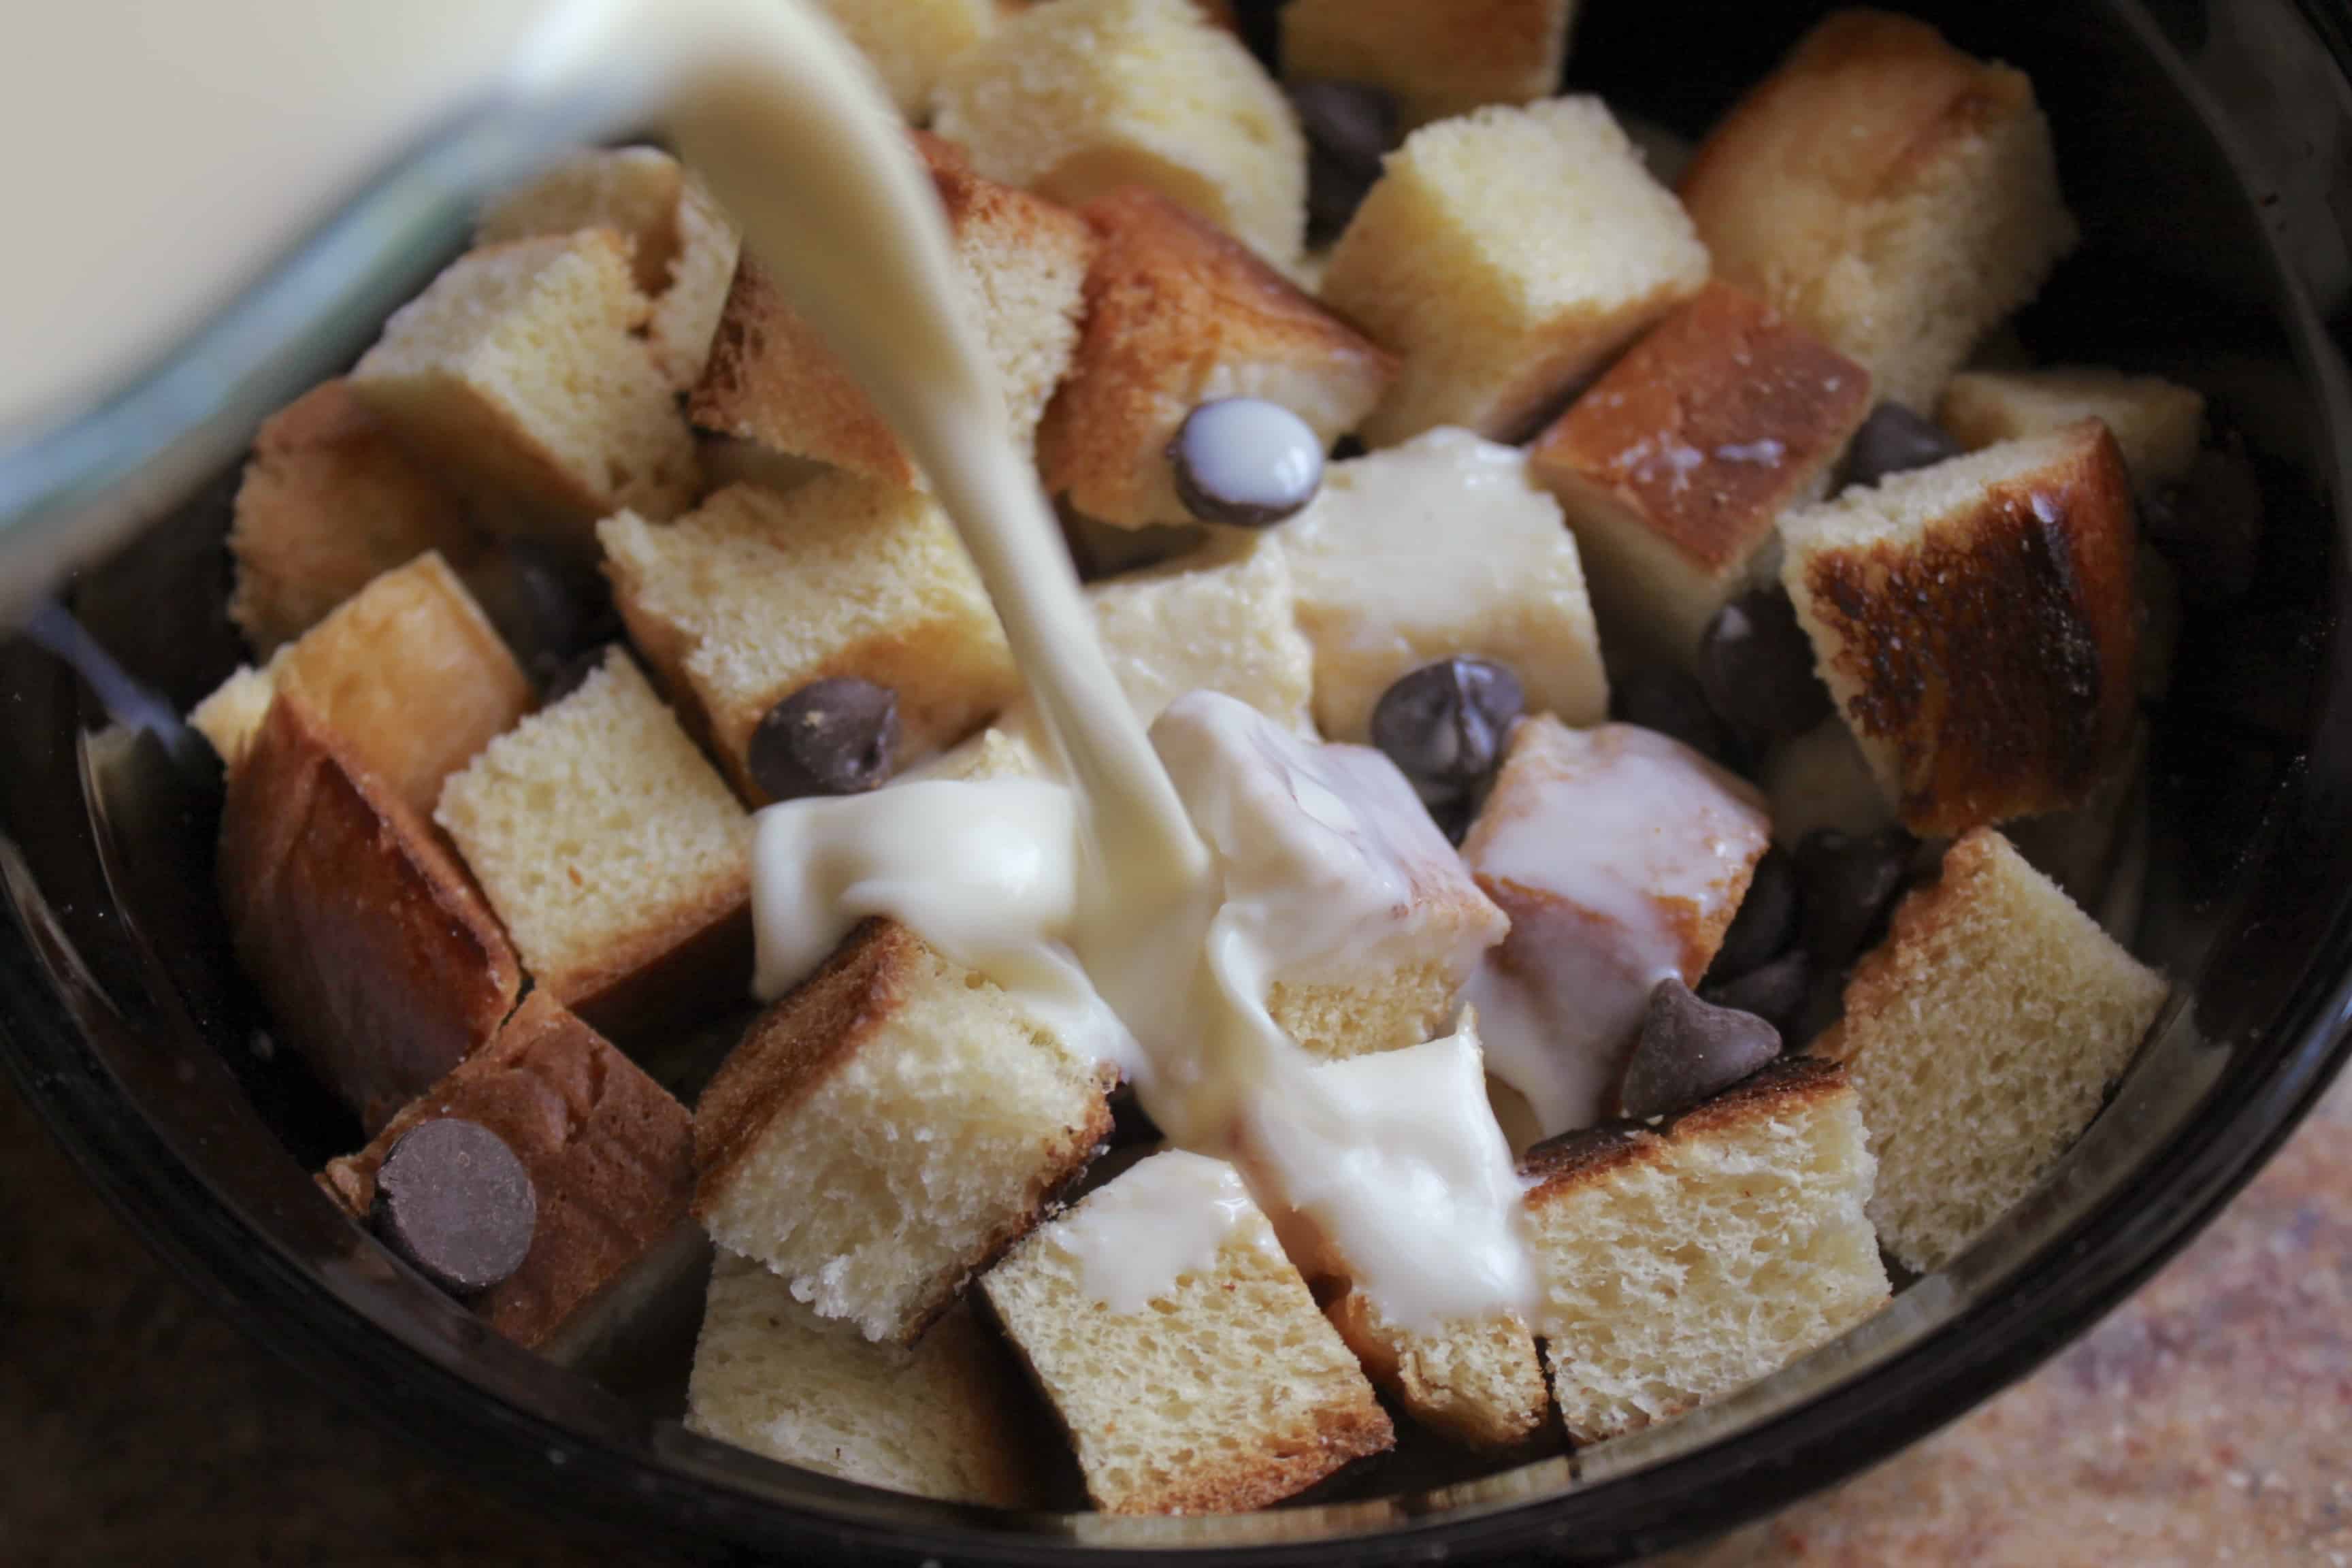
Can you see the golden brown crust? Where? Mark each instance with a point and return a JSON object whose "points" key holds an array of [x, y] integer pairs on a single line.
{"points": [[1285, 1464], [694, 963], [610, 1155], [1577, 1159], [380, 964]]}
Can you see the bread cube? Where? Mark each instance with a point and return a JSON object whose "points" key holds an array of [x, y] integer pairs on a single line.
{"points": [[1022, 262], [519, 374], [1982, 1035], [1477, 1383], [1221, 619], [614, 854], [1214, 1386], [1887, 192], [937, 1419], [328, 500], [1680, 1265], [1820, 779], [682, 247], [1620, 856], [888, 1128], [745, 602], [1975, 623], [1440, 547], [1506, 256], [911, 42], [380, 966], [993, 754], [1080, 97], [1674, 467], [1177, 315], [1439, 57], [2157, 426], [231, 715], [610, 1155]]}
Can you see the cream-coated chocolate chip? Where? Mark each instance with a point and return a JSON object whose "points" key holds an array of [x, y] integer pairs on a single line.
{"points": [[1444, 724], [1894, 440], [831, 737], [1246, 462], [1756, 665], [453, 1199], [1690, 1050]]}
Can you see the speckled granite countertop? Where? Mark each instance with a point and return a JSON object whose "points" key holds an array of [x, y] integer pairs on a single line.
{"points": [[2210, 1420]]}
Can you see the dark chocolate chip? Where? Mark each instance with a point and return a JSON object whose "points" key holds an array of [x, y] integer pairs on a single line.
{"points": [[831, 737], [1690, 1050], [570, 676], [550, 606], [1823, 1005], [1894, 440], [1846, 884], [1767, 921], [1755, 666], [453, 1200], [1246, 462], [1444, 726], [1349, 127], [1668, 699], [1775, 991]]}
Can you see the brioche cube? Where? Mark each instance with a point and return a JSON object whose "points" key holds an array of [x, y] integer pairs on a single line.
{"points": [[1674, 467], [1506, 256], [2157, 425], [888, 1128], [1022, 265], [1177, 315], [1440, 58], [328, 501], [1211, 1386], [911, 42], [1221, 619], [518, 373], [1440, 547], [231, 714], [682, 247], [1476, 1382], [1982, 1035], [613, 851], [1080, 97], [1679, 1265], [1976, 622], [745, 601], [993, 754], [1887, 192], [934, 1419]]}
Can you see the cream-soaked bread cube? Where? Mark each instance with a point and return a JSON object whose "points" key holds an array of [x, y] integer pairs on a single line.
{"points": [[1222, 619], [1021, 267], [1675, 466], [938, 1419], [749, 598], [1976, 622], [1983, 1035], [2157, 425], [1680, 1264], [682, 246], [1080, 97], [1182, 1351], [888, 1128], [1621, 857], [1389, 925], [520, 372], [1440, 58], [909, 43], [1820, 779], [1887, 192], [1506, 256], [615, 853], [1179, 315], [993, 754], [1442, 546]]}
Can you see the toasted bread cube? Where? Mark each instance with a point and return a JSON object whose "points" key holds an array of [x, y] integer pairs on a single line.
{"points": [[1177, 315], [1506, 256], [1982, 1035], [1221, 619], [1022, 262], [613, 851], [1440, 58], [936, 1419], [1076, 98], [1976, 622], [1620, 856], [1442, 546], [888, 1128], [2157, 426], [911, 42], [1674, 467], [1682, 1264], [379, 963], [1820, 779], [609, 1152], [232, 714], [1219, 1390], [329, 501], [1887, 192], [682, 246], [745, 602]]}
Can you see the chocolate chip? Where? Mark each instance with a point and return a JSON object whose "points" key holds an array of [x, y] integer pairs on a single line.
{"points": [[1668, 699], [550, 606], [1246, 462], [1349, 127], [1894, 440], [1690, 1050], [1755, 666], [1444, 726], [831, 737], [453, 1200], [1767, 921], [1775, 991], [1846, 884]]}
